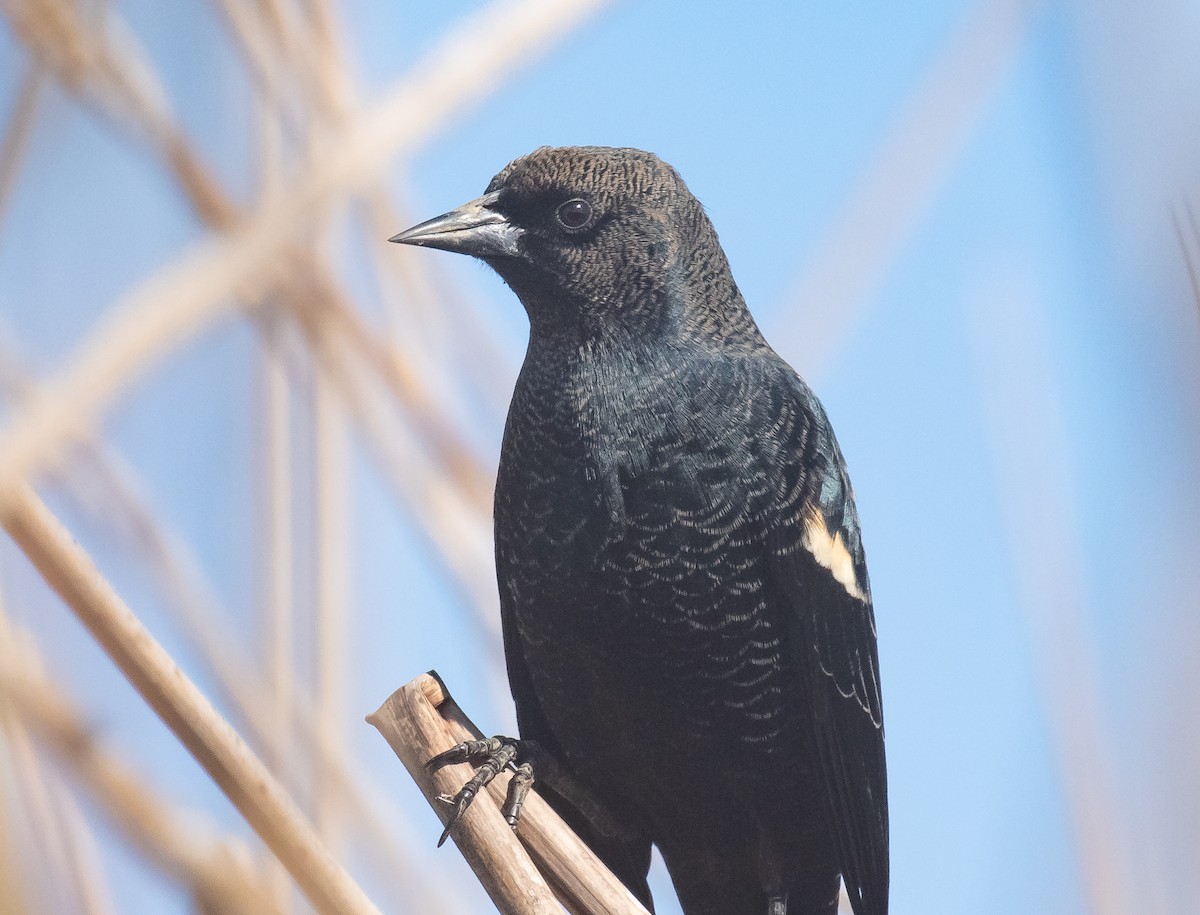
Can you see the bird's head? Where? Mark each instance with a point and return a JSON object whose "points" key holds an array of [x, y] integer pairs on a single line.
{"points": [[595, 236]]}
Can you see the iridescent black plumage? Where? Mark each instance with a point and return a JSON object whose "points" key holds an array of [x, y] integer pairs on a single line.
{"points": [[686, 611]]}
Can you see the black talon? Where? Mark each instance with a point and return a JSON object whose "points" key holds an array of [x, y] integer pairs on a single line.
{"points": [[518, 788], [494, 754], [465, 752], [461, 802]]}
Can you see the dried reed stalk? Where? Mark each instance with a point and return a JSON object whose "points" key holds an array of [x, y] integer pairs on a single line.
{"points": [[412, 377], [1187, 246], [1036, 484], [93, 51], [452, 454], [332, 592], [214, 744], [108, 69], [254, 38], [215, 872], [411, 390], [18, 128], [278, 617], [419, 721], [118, 508], [118, 505], [96, 56], [405, 386], [328, 64], [906, 169], [72, 879], [13, 892], [206, 282], [451, 522]]}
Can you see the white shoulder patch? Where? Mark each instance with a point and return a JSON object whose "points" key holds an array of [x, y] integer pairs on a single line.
{"points": [[831, 552]]}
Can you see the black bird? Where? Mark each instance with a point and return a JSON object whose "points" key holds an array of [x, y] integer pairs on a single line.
{"points": [[687, 619]]}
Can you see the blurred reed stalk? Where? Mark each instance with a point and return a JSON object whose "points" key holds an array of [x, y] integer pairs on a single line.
{"points": [[907, 169], [1187, 231], [181, 706], [1033, 467], [321, 148], [324, 150], [217, 873]]}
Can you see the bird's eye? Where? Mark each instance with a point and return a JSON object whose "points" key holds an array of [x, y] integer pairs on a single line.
{"points": [[574, 214]]}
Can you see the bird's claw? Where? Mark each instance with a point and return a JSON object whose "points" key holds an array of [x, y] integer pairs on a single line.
{"points": [[493, 755], [518, 788], [470, 751]]}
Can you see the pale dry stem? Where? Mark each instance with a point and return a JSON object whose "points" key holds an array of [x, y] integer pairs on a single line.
{"points": [[107, 490], [13, 891], [101, 61], [210, 739], [214, 871], [205, 283], [907, 167], [280, 742], [517, 867], [18, 128], [333, 602], [1036, 485], [451, 522], [71, 879]]}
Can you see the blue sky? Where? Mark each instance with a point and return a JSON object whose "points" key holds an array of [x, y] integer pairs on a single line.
{"points": [[1013, 382]]}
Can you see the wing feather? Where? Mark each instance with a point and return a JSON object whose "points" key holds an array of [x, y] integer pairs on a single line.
{"points": [[817, 562]]}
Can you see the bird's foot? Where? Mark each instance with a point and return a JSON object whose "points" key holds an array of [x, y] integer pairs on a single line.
{"points": [[492, 755]]}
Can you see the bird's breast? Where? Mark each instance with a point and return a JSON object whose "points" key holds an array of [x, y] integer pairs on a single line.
{"points": [[587, 433], [630, 548]]}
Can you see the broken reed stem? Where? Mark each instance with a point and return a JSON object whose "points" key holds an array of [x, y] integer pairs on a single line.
{"points": [[415, 731], [180, 704], [419, 721]]}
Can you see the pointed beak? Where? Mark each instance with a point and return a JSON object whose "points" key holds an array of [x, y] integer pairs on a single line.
{"points": [[474, 228]]}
